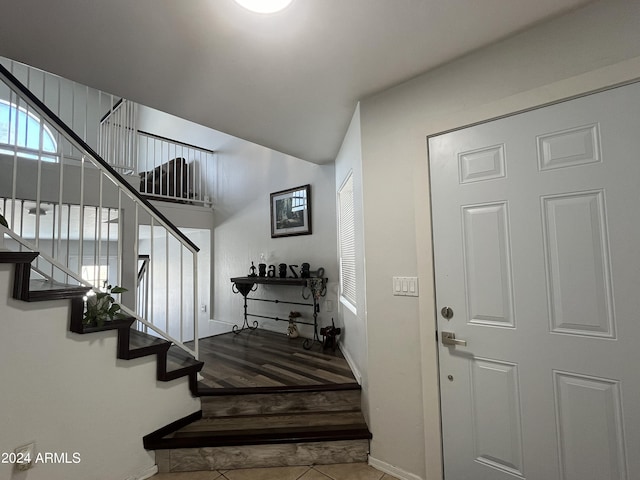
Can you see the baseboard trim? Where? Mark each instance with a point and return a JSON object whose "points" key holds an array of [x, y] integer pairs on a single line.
{"points": [[391, 470], [351, 363], [223, 322]]}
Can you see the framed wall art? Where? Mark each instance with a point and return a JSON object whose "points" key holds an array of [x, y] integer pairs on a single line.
{"points": [[291, 212]]}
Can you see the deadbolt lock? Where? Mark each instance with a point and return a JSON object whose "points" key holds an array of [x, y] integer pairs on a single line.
{"points": [[447, 313]]}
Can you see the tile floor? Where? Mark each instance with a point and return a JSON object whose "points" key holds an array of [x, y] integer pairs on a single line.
{"points": [[346, 471]]}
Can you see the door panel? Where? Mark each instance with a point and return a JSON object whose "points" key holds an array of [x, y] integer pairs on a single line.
{"points": [[577, 264], [590, 430], [536, 222], [487, 264]]}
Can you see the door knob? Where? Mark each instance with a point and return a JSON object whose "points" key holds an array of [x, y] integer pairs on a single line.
{"points": [[449, 338]]}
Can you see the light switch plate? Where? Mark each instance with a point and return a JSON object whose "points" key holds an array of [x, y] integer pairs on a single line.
{"points": [[405, 286]]}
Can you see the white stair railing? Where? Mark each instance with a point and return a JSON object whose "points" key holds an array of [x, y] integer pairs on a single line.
{"points": [[142, 302], [118, 139], [63, 200], [168, 169], [174, 170]]}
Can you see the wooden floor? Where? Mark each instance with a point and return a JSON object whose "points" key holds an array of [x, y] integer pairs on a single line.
{"points": [[259, 358]]}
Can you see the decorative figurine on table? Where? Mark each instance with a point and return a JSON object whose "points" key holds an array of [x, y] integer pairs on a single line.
{"points": [[282, 270], [253, 270], [330, 336], [317, 273], [304, 270], [262, 269], [292, 330]]}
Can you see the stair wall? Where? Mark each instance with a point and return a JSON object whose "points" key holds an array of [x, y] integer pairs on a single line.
{"points": [[69, 394]]}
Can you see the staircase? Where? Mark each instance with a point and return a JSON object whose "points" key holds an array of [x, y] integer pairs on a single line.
{"points": [[172, 362], [281, 427], [236, 428]]}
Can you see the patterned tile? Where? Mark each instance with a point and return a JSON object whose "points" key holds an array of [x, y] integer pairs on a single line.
{"points": [[346, 471], [313, 474], [188, 476], [350, 471], [274, 473]]}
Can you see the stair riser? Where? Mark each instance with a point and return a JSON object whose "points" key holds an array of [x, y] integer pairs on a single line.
{"points": [[260, 456], [264, 404]]}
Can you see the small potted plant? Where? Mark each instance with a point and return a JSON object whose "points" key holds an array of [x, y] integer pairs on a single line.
{"points": [[102, 307]]}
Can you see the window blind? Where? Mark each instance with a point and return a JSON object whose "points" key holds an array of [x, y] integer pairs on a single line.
{"points": [[346, 239]]}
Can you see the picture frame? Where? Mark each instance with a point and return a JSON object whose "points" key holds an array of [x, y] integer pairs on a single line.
{"points": [[291, 212]]}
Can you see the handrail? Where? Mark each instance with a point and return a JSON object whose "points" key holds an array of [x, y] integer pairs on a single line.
{"points": [[111, 110], [176, 142], [45, 111]]}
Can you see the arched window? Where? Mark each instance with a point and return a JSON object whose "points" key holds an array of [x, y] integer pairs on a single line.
{"points": [[23, 133]]}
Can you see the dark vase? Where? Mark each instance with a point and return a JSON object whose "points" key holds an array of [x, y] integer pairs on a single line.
{"points": [[282, 270]]}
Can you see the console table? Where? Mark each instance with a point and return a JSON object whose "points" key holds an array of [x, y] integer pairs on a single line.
{"points": [[312, 289]]}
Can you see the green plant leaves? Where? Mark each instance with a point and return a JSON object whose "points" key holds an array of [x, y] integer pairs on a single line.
{"points": [[101, 307]]}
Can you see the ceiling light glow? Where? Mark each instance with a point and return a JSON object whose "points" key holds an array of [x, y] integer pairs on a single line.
{"points": [[264, 6]]}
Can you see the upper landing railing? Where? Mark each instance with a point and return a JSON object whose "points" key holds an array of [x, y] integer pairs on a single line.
{"points": [[168, 169]]}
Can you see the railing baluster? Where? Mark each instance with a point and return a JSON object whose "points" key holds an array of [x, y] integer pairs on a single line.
{"points": [[68, 263], [195, 306], [96, 248], [81, 217], [181, 295], [166, 283], [153, 270], [200, 168], [60, 199], [86, 112], [136, 245], [14, 187], [120, 243], [53, 237]]}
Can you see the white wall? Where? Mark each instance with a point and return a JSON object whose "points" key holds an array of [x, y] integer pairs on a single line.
{"points": [[69, 393], [246, 174], [354, 333], [596, 46], [242, 177]]}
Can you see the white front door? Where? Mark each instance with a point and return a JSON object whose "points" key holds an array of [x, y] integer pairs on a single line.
{"points": [[536, 221]]}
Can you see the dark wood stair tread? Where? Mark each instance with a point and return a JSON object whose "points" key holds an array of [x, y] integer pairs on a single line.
{"points": [[206, 391], [178, 359], [142, 344], [7, 256], [119, 324], [265, 429], [40, 290], [177, 363], [273, 421]]}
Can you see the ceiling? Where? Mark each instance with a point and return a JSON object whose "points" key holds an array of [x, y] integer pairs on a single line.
{"points": [[289, 81]]}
